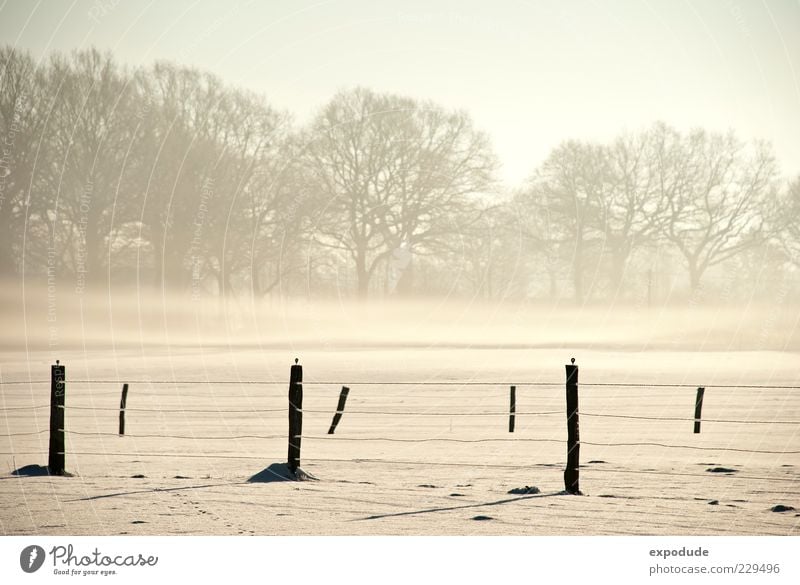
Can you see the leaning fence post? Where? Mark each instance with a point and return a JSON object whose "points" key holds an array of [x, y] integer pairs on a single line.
{"points": [[571, 473], [339, 409], [295, 415], [698, 409], [56, 457], [122, 405], [512, 409]]}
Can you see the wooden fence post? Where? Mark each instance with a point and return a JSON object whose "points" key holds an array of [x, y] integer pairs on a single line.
{"points": [[339, 409], [295, 415], [572, 472], [698, 409], [57, 456], [122, 405], [512, 409]]}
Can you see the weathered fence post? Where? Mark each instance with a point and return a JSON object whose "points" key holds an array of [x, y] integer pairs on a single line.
{"points": [[698, 409], [295, 415], [122, 405], [339, 409], [571, 473], [512, 409], [55, 463]]}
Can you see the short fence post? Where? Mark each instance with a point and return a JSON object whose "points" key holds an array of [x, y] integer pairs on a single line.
{"points": [[122, 405], [512, 409], [339, 409], [295, 415], [698, 409], [571, 473], [56, 463]]}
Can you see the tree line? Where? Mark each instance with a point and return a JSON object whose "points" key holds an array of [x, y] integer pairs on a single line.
{"points": [[165, 176]]}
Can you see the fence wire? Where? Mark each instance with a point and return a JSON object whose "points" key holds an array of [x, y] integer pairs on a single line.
{"points": [[417, 383], [420, 413], [389, 412]]}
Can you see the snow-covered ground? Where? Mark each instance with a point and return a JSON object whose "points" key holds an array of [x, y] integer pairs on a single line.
{"points": [[184, 465]]}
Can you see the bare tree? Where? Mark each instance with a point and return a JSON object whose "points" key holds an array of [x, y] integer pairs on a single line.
{"points": [[492, 253], [716, 199], [23, 105], [187, 131], [390, 172], [570, 189], [91, 140], [786, 221], [280, 204], [166, 173], [631, 213], [248, 189]]}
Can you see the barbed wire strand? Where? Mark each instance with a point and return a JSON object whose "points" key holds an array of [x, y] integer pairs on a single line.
{"points": [[192, 437], [167, 455], [25, 434], [684, 419], [409, 413], [196, 410], [421, 383], [525, 439]]}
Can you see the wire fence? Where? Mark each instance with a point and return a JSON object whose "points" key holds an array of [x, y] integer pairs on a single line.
{"points": [[369, 408], [499, 383]]}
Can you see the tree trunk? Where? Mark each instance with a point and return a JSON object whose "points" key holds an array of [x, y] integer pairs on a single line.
{"points": [[405, 282], [157, 239], [158, 272], [93, 254], [577, 269], [255, 280], [552, 274], [695, 274], [618, 261], [223, 288], [174, 274], [7, 260], [362, 276]]}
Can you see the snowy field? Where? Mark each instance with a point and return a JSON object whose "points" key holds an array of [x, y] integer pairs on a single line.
{"points": [[433, 458]]}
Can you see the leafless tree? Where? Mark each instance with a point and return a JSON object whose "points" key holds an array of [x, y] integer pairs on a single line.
{"points": [[390, 173], [250, 191], [716, 196], [180, 184], [23, 107], [570, 189], [787, 222], [91, 133], [493, 253], [167, 174], [631, 213]]}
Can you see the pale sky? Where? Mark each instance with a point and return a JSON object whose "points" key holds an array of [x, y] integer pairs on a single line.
{"points": [[531, 74]]}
